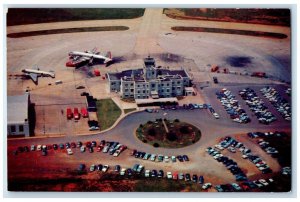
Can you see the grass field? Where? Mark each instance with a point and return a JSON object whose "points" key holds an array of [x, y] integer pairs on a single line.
{"points": [[68, 30], [108, 112], [258, 16], [22, 16], [232, 31], [129, 110]]}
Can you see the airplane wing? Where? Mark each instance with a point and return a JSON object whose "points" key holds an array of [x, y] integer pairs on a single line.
{"points": [[34, 77]]}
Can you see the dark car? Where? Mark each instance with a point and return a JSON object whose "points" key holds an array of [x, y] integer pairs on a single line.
{"points": [[201, 179], [94, 143], [102, 143], [179, 157], [187, 177], [26, 149], [79, 144], [73, 145], [20, 149], [129, 171], [195, 178], [153, 173], [117, 168], [68, 145], [61, 146], [137, 154], [81, 167], [133, 152], [88, 144], [91, 150], [99, 167], [185, 158], [160, 174], [55, 147]]}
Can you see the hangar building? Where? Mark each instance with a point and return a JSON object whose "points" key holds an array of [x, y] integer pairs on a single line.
{"points": [[17, 115]]}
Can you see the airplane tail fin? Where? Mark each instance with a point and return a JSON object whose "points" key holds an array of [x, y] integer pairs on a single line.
{"points": [[108, 55]]}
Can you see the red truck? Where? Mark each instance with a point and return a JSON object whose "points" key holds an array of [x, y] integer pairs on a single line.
{"points": [[69, 113], [84, 112], [76, 114]]}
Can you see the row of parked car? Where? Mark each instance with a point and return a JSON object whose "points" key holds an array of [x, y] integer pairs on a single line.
{"points": [[244, 186], [75, 113], [257, 106], [232, 107], [266, 134], [246, 154], [159, 157], [230, 164], [140, 170], [281, 104], [113, 148], [267, 148]]}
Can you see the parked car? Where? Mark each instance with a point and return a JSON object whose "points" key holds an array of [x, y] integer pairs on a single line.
{"points": [[69, 113], [105, 168], [69, 151], [81, 167], [84, 112], [92, 168], [206, 186]]}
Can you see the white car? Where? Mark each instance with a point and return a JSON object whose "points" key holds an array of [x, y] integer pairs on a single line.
{"points": [[123, 171], [147, 173], [153, 157], [169, 175], [216, 115], [264, 182], [32, 148], [105, 168], [82, 148], [173, 158], [206, 186], [166, 159], [39, 147], [69, 151], [117, 153], [231, 149]]}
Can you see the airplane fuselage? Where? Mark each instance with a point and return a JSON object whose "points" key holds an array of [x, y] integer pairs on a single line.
{"points": [[38, 72], [90, 55]]}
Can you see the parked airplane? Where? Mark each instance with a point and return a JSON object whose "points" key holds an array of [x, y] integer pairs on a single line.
{"points": [[35, 73], [77, 59]]}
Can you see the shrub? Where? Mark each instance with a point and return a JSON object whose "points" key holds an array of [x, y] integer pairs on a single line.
{"points": [[171, 136], [151, 132], [184, 129], [145, 141], [155, 144], [149, 122], [141, 125], [176, 120]]}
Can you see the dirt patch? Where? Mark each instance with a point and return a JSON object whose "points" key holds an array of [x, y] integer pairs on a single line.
{"points": [[232, 31], [169, 57], [238, 61]]}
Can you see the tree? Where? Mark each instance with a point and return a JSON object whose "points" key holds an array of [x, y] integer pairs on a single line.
{"points": [[171, 136], [155, 144], [151, 132]]}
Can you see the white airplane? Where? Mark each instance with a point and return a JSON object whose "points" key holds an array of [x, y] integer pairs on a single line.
{"points": [[35, 73], [77, 58]]}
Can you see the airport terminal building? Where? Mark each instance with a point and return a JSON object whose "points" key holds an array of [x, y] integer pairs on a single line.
{"points": [[17, 115], [149, 82]]}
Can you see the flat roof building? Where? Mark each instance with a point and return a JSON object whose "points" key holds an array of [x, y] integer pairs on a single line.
{"points": [[149, 82], [17, 115]]}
